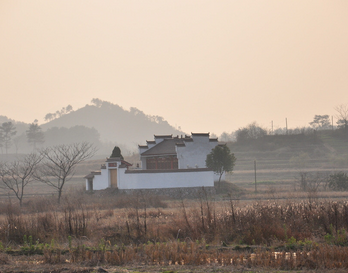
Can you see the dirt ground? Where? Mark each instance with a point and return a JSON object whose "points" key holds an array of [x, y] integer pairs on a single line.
{"points": [[159, 269], [34, 263]]}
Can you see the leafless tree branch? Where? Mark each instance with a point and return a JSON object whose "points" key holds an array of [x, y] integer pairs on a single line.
{"points": [[60, 161], [16, 175]]}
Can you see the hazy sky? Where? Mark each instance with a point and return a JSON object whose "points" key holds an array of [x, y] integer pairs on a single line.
{"points": [[207, 66]]}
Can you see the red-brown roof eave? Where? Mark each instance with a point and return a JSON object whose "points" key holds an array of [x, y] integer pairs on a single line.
{"points": [[126, 163]]}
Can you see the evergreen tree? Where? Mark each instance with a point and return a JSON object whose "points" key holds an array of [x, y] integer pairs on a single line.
{"points": [[116, 152], [35, 135], [220, 160], [7, 132]]}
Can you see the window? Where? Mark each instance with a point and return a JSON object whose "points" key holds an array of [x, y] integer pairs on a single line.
{"points": [[162, 163], [150, 163]]}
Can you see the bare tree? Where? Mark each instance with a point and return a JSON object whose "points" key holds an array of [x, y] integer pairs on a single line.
{"points": [[226, 137], [311, 182], [342, 115], [252, 131], [16, 175], [60, 161], [320, 122]]}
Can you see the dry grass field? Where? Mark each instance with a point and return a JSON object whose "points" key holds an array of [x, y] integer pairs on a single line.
{"points": [[234, 230]]}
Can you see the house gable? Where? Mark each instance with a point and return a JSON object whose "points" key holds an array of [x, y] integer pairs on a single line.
{"points": [[168, 152]]}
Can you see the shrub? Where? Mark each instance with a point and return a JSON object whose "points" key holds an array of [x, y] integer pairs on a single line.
{"points": [[338, 181]]}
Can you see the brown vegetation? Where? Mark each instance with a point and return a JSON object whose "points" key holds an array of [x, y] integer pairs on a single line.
{"points": [[138, 228]]}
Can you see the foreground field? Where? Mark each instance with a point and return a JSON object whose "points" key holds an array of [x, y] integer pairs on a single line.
{"points": [[145, 233], [148, 268], [146, 259]]}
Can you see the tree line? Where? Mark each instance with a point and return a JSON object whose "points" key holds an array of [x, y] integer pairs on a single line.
{"points": [[34, 137], [53, 166], [319, 122], [58, 113], [311, 182], [8, 131]]}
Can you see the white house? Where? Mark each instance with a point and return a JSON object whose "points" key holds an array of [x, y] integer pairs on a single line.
{"points": [[166, 162]]}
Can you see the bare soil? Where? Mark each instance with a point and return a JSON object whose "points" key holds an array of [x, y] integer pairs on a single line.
{"points": [[34, 263]]}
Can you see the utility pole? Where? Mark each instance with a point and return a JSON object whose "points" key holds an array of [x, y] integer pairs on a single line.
{"points": [[272, 127], [286, 125], [255, 175]]}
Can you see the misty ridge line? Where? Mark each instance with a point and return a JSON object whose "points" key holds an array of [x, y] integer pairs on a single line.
{"points": [[103, 123], [107, 125]]}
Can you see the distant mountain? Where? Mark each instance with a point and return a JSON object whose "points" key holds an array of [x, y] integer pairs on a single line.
{"points": [[114, 124]]}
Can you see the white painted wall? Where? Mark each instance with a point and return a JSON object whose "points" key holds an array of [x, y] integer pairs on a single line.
{"points": [[165, 180], [100, 181], [157, 180], [194, 153], [150, 145], [143, 163]]}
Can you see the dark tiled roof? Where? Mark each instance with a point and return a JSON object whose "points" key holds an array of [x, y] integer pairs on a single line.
{"points": [[163, 136], [89, 176], [123, 162], [92, 174], [166, 147], [200, 134], [171, 171], [180, 144]]}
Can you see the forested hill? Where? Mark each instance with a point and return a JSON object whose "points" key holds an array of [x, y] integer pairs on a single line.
{"points": [[115, 124]]}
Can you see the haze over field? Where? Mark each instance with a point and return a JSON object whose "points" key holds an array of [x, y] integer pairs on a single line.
{"points": [[203, 65]]}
